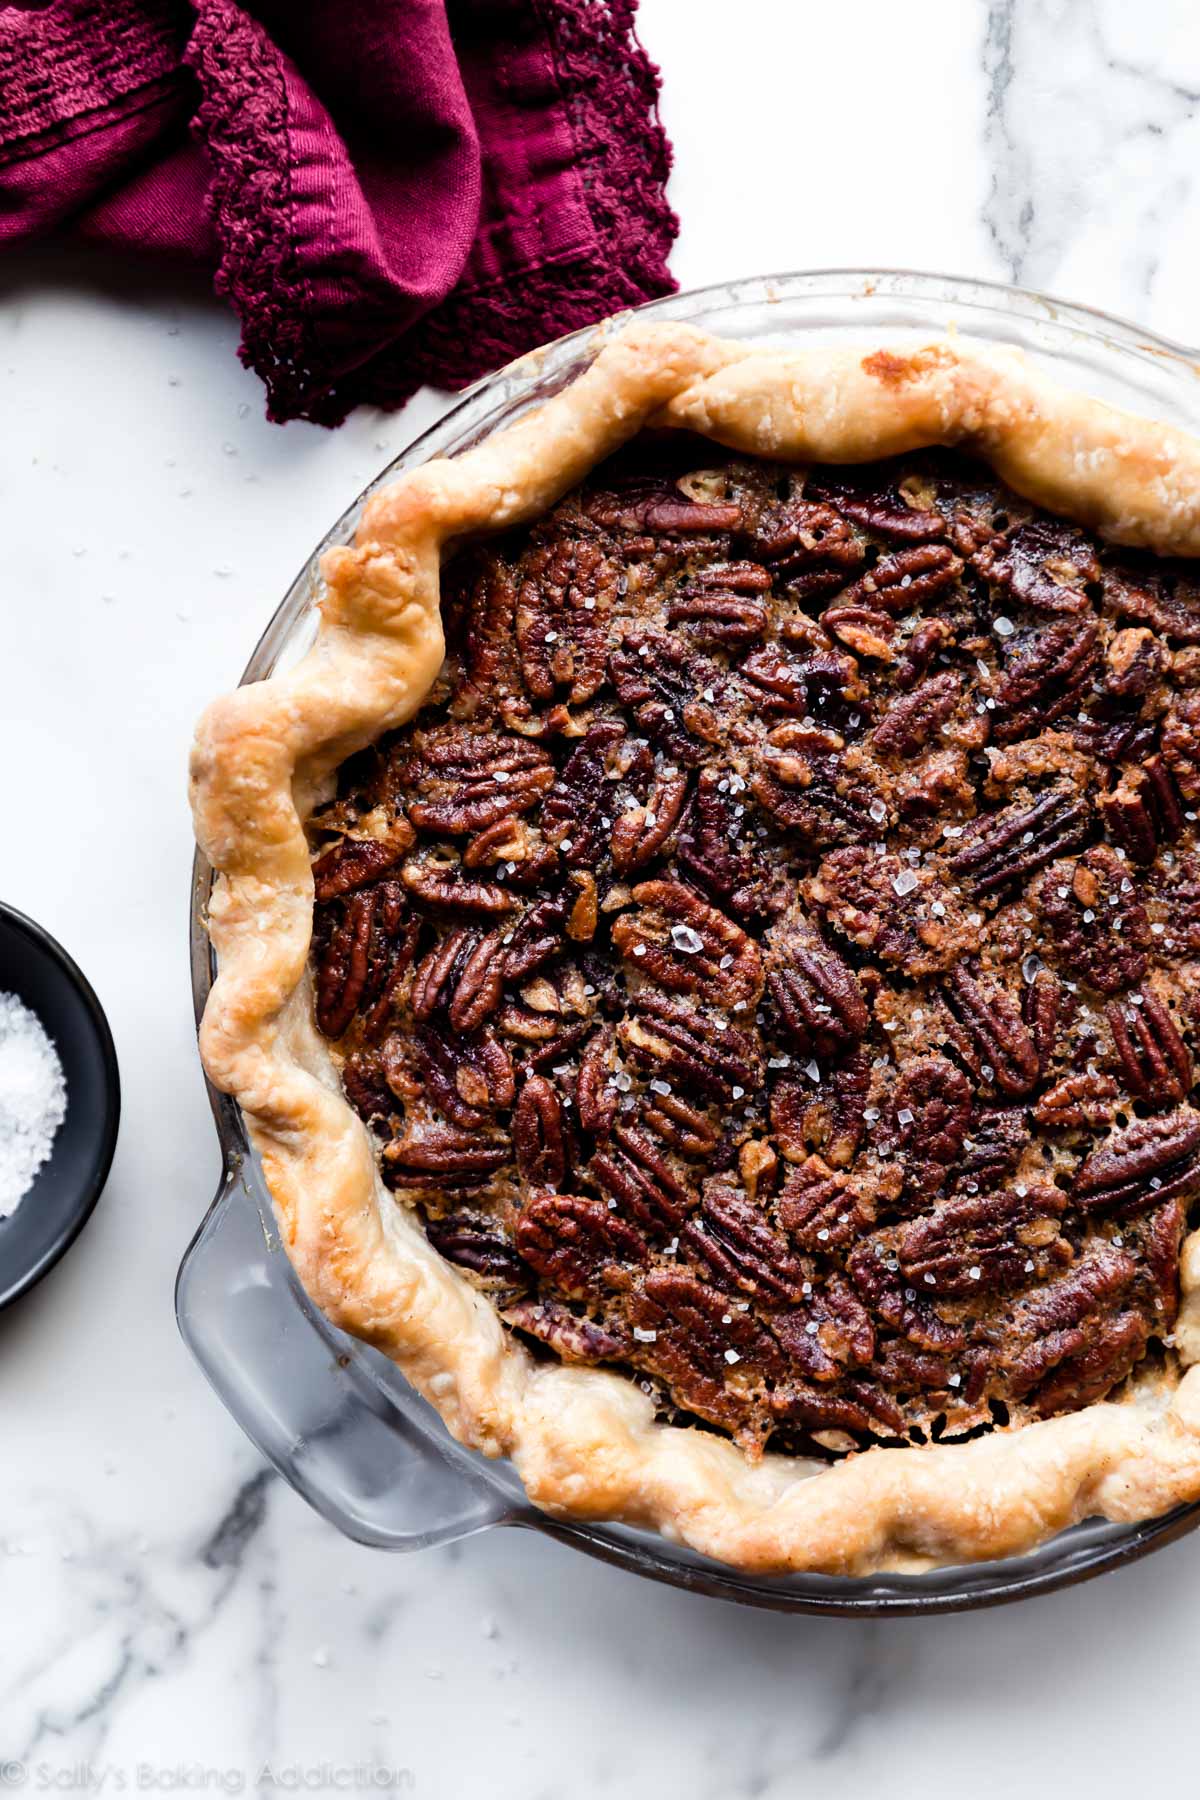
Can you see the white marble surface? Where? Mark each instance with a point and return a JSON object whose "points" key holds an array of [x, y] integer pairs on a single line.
{"points": [[170, 1615]]}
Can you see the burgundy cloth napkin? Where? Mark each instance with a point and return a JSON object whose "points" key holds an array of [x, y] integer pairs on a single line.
{"points": [[388, 192]]}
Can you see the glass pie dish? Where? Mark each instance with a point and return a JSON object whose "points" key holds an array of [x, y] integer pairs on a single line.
{"points": [[338, 1420]]}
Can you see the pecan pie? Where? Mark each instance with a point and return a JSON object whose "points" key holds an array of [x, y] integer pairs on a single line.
{"points": [[758, 949]]}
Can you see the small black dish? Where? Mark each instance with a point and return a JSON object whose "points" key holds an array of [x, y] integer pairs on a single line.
{"points": [[66, 1188]]}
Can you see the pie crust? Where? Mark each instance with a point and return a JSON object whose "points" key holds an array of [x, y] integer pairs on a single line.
{"points": [[585, 1441]]}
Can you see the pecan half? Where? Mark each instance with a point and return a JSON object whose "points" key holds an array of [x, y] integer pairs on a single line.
{"points": [[1043, 564], [639, 834], [1149, 1162], [1044, 677], [1095, 921], [574, 1337], [741, 1249], [673, 1040], [830, 1333], [440, 883], [664, 684], [473, 1242], [638, 1177], [573, 812], [874, 1268], [913, 718], [1072, 1342], [819, 1001], [802, 781], [828, 1117], [1152, 1056], [982, 1243], [538, 1135], [1076, 1101], [903, 915], [684, 944], [1143, 811], [465, 1081], [877, 503], [992, 1040], [711, 850], [578, 1246], [1006, 846], [364, 961], [565, 596], [437, 1155], [905, 580], [1166, 597], [473, 779], [352, 863], [720, 609], [820, 1209], [1181, 746], [810, 547], [933, 1111], [699, 1346]]}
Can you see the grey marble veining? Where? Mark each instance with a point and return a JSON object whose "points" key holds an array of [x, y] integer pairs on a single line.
{"points": [[1091, 139], [172, 1617]]}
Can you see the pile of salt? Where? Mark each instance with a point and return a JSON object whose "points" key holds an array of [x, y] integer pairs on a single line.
{"points": [[33, 1100]]}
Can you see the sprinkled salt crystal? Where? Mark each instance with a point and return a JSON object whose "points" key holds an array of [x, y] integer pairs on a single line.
{"points": [[938, 910], [639, 949], [1003, 627], [589, 606], [812, 1070], [33, 1100], [658, 1086], [779, 1062], [623, 1081], [1088, 915], [1029, 1265], [904, 1116], [823, 1234], [878, 811], [928, 1279], [551, 637], [650, 821], [645, 1337], [952, 831], [1030, 967], [737, 1092], [500, 776], [870, 1114], [686, 940], [904, 883], [811, 1328], [731, 1356], [974, 1271], [987, 1071], [955, 1381], [709, 695], [672, 1247], [726, 962]]}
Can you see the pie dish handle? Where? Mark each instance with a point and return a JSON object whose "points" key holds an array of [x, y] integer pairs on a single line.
{"points": [[377, 1464]]}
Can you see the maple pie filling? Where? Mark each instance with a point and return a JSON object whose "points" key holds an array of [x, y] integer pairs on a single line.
{"points": [[770, 960]]}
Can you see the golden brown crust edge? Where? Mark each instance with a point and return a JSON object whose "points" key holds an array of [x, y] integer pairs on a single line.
{"points": [[585, 1441]]}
